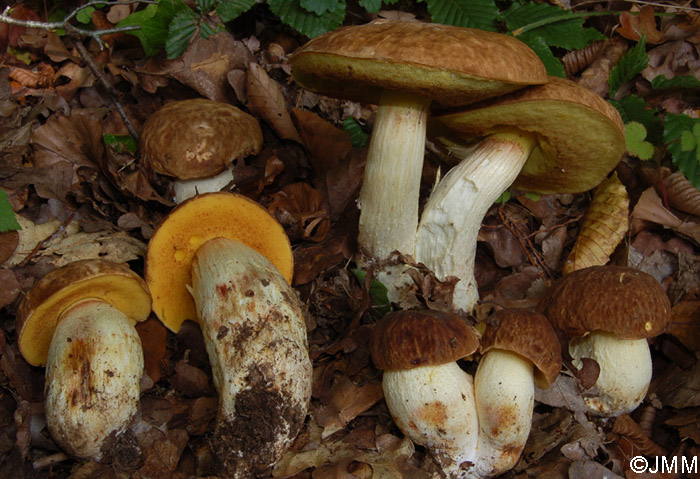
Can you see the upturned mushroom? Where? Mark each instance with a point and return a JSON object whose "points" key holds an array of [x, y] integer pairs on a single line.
{"points": [[196, 141], [555, 138], [78, 320], [609, 312], [403, 67], [473, 428], [220, 259]]}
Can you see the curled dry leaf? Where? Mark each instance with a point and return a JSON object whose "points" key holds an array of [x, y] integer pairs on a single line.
{"points": [[679, 192], [595, 77], [633, 27], [576, 60], [265, 99], [604, 226], [299, 208], [328, 145], [650, 208], [631, 439]]}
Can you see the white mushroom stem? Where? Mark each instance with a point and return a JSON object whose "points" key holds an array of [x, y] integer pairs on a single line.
{"points": [[390, 191], [625, 371], [94, 367], [255, 336], [185, 189], [447, 233]]}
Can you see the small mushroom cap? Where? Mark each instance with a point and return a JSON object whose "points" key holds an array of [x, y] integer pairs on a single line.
{"points": [[58, 290], [198, 138], [616, 299], [190, 225], [409, 339], [581, 137], [452, 65], [528, 334]]}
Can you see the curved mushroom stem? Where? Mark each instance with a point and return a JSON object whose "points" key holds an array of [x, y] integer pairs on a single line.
{"points": [[93, 373], [255, 336], [390, 191], [505, 395], [185, 189], [447, 233], [625, 371], [434, 406]]}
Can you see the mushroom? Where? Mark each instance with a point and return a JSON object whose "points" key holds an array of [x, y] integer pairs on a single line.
{"points": [[236, 261], [78, 320], [609, 312], [195, 141], [555, 138], [473, 428], [403, 67]]}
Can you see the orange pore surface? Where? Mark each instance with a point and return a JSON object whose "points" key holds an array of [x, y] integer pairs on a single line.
{"points": [[190, 225]]}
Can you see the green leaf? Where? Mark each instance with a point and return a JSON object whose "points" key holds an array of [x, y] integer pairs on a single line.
{"points": [[305, 22], [318, 7], [503, 199], [632, 62], [180, 32], [22, 55], [635, 135], [205, 6], [231, 9], [357, 136], [633, 108], [154, 21], [121, 143], [676, 83], [84, 15], [373, 6], [533, 196], [206, 30], [688, 141], [553, 65], [377, 291], [480, 14], [688, 161], [8, 222]]}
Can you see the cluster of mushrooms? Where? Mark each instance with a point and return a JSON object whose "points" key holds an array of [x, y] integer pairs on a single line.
{"points": [[220, 259]]}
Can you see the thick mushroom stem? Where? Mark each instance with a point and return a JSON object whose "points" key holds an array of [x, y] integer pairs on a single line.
{"points": [[185, 189], [625, 371], [434, 406], [94, 368], [390, 191], [504, 395], [447, 233], [255, 336]]}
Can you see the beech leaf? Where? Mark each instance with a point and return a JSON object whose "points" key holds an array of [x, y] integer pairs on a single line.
{"points": [[265, 99]]}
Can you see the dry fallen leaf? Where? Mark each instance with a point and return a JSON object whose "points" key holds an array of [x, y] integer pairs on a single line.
{"points": [[328, 145], [265, 99], [676, 188], [633, 27], [650, 208], [299, 208]]}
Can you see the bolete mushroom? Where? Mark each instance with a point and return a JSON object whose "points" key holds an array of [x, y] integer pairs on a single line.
{"points": [[555, 138], [473, 428], [78, 320], [403, 67], [609, 312], [236, 261], [195, 141]]}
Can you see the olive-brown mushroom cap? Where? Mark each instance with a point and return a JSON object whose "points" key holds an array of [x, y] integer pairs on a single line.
{"points": [[581, 137], [198, 138], [409, 339], [615, 299], [451, 65], [110, 282], [528, 334]]}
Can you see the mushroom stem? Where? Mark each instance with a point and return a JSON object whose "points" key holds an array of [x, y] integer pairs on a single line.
{"points": [[625, 371], [390, 191], [504, 394], [185, 189], [94, 367], [447, 233], [255, 336]]}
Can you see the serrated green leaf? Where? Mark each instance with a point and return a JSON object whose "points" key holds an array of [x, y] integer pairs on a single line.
{"points": [[373, 6], [631, 63], [688, 162], [318, 7], [358, 137], [205, 6], [206, 30], [121, 143], [154, 21], [634, 108], [675, 83], [180, 33], [688, 141], [84, 15], [553, 65], [8, 222], [481, 14], [635, 139], [231, 9], [307, 23], [377, 291]]}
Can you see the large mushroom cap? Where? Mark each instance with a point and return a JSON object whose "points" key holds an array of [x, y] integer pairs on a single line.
{"points": [[615, 299], [528, 334], [581, 137], [409, 339], [190, 225], [451, 65], [198, 138], [39, 312]]}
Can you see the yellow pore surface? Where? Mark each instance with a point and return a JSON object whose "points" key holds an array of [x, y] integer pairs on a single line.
{"points": [[190, 225]]}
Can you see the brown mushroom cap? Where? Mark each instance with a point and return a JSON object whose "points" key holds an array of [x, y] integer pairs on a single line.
{"points": [[409, 339], [616, 299], [528, 334], [190, 225], [581, 136], [451, 65], [198, 138], [99, 279]]}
